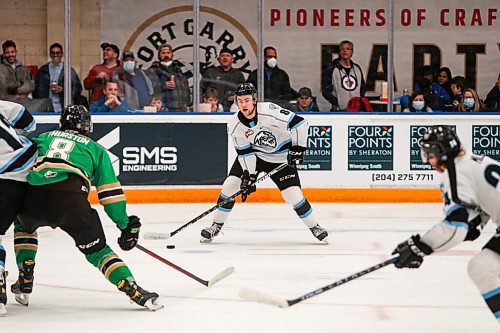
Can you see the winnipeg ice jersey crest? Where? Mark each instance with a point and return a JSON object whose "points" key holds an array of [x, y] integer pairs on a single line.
{"points": [[265, 139]]}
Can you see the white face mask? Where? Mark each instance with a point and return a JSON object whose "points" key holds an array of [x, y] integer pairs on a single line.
{"points": [[272, 62], [469, 102], [129, 66], [167, 63]]}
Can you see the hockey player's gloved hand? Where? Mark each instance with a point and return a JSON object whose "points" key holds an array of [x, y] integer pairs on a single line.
{"points": [[130, 235], [247, 184], [411, 253], [295, 155], [475, 225]]}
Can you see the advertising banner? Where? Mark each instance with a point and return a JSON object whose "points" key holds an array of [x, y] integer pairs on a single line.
{"points": [[345, 150], [163, 153]]}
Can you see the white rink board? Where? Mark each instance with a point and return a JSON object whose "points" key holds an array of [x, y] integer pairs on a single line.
{"points": [[400, 176]]}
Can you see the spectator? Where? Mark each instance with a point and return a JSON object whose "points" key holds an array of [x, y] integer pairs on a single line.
{"points": [[16, 81], [94, 82], [428, 85], [344, 79], [470, 102], [134, 87], [212, 97], [110, 101], [156, 101], [276, 81], [492, 100], [305, 101], [444, 80], [417, 103], [458, 86], [49, 80], [223, 78], [168, 79]]}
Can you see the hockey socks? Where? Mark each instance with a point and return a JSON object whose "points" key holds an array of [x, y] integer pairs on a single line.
{"points": [[25, 244], [113, 268]]}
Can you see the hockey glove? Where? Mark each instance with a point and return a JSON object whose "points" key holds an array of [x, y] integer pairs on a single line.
{"points": [[476, 225], [247, 184], [295, 155], [130, 235], [411, 253]]}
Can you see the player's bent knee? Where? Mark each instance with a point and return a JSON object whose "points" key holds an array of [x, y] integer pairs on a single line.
{"points": [[482, 267], [231, 186]]}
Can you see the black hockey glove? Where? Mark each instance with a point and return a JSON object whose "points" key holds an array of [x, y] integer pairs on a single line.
{"points": [[411, 253], [295, 155], [475, 225], [247, 184], [130, 235]]}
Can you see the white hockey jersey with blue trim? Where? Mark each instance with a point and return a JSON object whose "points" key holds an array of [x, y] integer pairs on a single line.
{"points": [[268, 136]]}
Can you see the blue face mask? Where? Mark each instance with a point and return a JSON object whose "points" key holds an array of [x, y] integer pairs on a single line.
{"points": [[129, 66], [418, 105], [469, 102]]}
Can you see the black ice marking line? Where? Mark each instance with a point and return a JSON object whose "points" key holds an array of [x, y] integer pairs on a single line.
{"points": [[222, 275], [257, 296]]}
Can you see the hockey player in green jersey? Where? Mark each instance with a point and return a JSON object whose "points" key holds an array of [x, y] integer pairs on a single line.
{"points": [[68, 163]]}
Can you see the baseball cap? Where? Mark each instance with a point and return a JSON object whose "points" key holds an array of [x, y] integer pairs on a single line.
{"points": [[112, 46], [304, 91], [225, 50], [128, 54]]}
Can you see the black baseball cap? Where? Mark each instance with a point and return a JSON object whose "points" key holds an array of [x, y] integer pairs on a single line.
{"points": [[112, 46], [304, 91], [225, 50], [128, 54]]}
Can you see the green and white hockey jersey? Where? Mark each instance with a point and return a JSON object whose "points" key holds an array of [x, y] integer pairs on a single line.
{"points": [[61, 153]]}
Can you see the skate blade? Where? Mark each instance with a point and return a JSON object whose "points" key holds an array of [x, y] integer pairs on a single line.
{"points": [[153, 305], [204, 240], [22, 298], [3, 310]]}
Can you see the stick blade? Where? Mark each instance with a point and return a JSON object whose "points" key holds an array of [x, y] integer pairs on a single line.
{"points": [[156, 235], [257, 296], [222, 275]]}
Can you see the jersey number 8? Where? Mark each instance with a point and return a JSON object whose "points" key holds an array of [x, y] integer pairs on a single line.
{"points": [[60, 148]]}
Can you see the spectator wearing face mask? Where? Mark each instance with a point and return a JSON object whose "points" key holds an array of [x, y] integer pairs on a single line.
{"points": [[417, 103], [134, 86], [168, 79], [276, 81], [470, 102]]}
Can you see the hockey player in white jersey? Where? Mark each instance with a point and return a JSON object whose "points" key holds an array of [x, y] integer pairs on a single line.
{"points": [[17, 155], [471, 192], [265, 136]]}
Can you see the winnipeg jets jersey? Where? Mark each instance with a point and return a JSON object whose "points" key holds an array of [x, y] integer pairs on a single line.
{"points": [[268, 135], [478, 184], [17, 153]]}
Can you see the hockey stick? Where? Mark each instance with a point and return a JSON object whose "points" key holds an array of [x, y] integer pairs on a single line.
{"points": [[161, 235], [257, 296], [222, 275]]}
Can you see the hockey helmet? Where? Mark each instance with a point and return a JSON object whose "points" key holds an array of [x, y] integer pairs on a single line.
{"points": [[246, 89], [442, 142], [76, 118]]}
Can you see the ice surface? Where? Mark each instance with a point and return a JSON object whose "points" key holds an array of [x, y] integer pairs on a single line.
{"points": [[272, 251]]}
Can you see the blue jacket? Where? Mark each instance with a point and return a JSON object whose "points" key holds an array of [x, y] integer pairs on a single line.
{"points": [[98, 106]]}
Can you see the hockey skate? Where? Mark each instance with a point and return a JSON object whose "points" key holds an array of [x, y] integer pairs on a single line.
{"points": [[3, 292], [320, 233], [208, 234], [140, 296], [24, 284]]}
